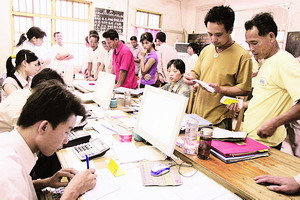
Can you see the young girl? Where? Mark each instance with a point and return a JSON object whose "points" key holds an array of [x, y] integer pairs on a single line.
{"points": [[176, 69], [19, 77], [149, 60]]}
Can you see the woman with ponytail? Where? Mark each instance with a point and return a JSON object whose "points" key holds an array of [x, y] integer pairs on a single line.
{"points": [[33, 41], [19, 77]]}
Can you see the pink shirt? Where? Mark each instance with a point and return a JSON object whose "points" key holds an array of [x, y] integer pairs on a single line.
{"points": [[123, 60], [165, 54]]}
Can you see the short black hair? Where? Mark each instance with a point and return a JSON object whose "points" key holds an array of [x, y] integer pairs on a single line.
{"points": [[195, 47], [45, 75], [111, 34], [50, 101], [178, 64], [264, 23], [133, 38], [55, 33], [161, 36], [94, 36], [93, 32], [221, 15]]}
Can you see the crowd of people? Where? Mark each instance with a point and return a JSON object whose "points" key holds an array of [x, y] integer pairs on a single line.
{"points": [[33, 95]]}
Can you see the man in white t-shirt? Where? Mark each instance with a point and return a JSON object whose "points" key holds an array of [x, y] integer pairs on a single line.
{"points": [[61, 54], [95, 54], [106, 63]]}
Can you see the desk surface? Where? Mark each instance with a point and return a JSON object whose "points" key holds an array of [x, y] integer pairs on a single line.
{"points": [[238, 177]]}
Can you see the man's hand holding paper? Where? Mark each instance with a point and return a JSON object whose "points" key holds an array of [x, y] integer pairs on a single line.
{"points": [[206, 86]]}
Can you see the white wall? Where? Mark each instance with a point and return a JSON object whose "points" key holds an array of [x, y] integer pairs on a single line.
{"points": [[5, 41], [194, 22], [170, 10]]}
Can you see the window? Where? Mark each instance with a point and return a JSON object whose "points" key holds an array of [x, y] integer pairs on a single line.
{"points": [[70, 17], [147, 21]]}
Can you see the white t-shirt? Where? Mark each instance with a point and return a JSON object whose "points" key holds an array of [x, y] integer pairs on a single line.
{"points": [[59, 65], [17, 161], [94, 57], [191, 61], [11, 108]]}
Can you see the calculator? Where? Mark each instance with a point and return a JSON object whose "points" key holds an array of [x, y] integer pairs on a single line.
{"points": [[77, 137], [94, 148]]}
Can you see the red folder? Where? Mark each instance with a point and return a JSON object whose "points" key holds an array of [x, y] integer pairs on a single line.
{"points": [[231, 149]]}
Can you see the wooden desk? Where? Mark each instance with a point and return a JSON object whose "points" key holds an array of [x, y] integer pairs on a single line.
{"points": [[238, 177]]}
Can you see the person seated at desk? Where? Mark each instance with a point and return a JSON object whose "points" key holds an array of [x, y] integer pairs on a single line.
{"points": [[44, 123], [11, 107], [19, 77], [280, 184], [176, 69]]}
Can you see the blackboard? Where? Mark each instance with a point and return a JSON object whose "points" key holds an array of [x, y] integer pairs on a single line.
{"points": [[202, 39], [293, 43], [105, 19]]}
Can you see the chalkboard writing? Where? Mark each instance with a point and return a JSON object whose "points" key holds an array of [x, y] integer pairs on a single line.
{"points": [[293, 43], [105, 19]]}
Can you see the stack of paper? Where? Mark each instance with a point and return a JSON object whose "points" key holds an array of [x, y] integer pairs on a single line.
{"points": [[225, 135], [237, 151], [133, 92]]}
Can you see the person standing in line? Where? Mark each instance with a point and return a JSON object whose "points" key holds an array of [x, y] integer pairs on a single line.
{"points": [[192, 50], [94, 58], [275, 100], [33, 40], [123, 61], [136, 50], [60, 53], [107, 58], [165, 54], [224, 65], [149, 60]]}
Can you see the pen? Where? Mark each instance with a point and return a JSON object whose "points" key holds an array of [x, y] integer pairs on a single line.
{"points": [[87, 161]]}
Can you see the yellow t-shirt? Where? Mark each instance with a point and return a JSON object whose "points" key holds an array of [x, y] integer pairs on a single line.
{"points": [[277, 88], [232, 67]]}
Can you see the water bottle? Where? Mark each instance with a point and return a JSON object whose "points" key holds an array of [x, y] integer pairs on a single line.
{"points": [[190, 137], [127, 98]]}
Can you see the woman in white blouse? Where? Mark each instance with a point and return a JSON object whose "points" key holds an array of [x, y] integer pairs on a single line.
{"points": [[19, 77], [192, 50]]}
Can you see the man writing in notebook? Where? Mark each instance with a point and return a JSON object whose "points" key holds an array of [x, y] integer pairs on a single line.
{"points": [[44, 123], [224, 65], [123, 61], [275, 100]]}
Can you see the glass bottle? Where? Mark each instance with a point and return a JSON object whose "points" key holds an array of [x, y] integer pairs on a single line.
{"points": [[205, 143]]}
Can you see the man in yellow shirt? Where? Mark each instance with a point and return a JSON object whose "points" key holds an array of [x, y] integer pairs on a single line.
{"points": [[224, 65], [276, 95]]}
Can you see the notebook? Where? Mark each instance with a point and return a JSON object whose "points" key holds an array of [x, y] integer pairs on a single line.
{"points": [[238, 158], [231, 149]]}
